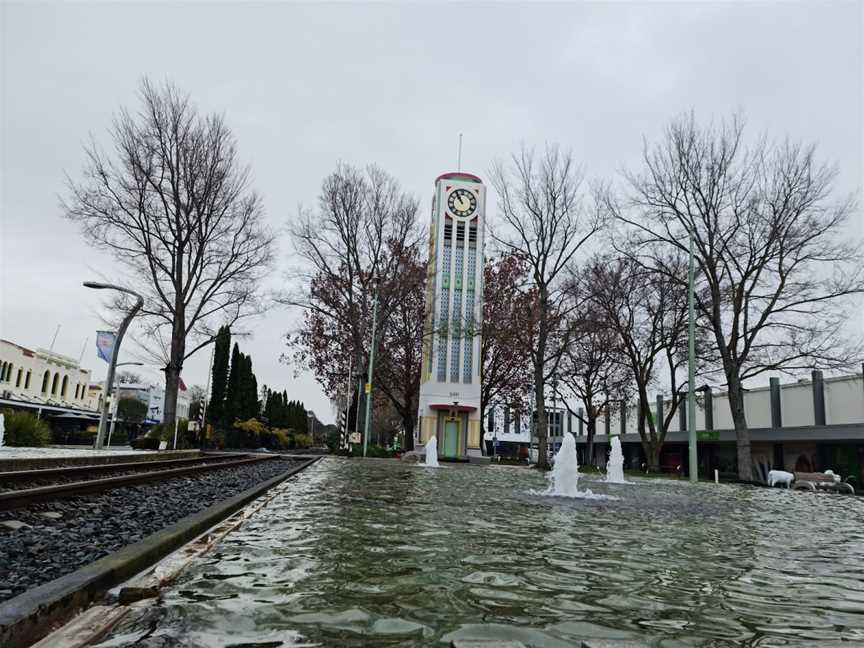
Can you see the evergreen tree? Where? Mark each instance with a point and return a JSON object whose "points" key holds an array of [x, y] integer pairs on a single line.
{"points": [[232, 399], [296, 415], [216, 408], [267, 406], [247, 405]]}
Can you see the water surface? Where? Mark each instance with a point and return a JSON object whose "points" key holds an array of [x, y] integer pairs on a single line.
{"points": [[377, 553]]}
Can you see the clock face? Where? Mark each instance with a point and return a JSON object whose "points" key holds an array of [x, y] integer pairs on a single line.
{"points": [[461, 203]]}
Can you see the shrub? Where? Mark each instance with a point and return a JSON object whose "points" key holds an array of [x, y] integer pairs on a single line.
{"points": [[275, 439], [25, 430], [162, 432], [145, 443], [333, 438], [156, 432], [217, 440], [283, 441], [302, 441], [245, 434], [378, 452]]}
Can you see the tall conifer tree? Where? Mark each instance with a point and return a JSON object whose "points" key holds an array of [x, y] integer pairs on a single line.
{"points": [[232, 399], [216, 408]]}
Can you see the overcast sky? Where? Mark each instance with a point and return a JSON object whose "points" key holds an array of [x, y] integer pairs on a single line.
{"points": [[305, 86]]}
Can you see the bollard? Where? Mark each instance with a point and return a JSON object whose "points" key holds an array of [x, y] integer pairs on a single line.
{"points": [[716, 476]]}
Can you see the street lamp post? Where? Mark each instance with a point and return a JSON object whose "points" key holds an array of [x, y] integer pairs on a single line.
{"points": [[367, 422], [109, 379], [344, 445], [555, 407], [691, 366], [115, 401]]}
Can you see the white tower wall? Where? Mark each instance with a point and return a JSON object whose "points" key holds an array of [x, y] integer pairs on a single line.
{"points": [[450, 375]]}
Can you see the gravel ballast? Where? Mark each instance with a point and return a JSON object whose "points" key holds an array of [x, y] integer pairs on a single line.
{"points": [[63, 535], [102, 472]]}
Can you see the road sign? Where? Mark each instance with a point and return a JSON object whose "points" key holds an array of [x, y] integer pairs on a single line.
{"points": [[708, 435]]}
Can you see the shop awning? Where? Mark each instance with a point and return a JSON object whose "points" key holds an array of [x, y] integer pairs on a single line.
{"points": [[450, 407]]}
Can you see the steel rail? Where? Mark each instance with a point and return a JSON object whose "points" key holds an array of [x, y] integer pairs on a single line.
{"points": [[61, 471], [21, 498]]}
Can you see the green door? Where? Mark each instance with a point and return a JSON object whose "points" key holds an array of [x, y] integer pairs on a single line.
{"points": [[451, 438]]}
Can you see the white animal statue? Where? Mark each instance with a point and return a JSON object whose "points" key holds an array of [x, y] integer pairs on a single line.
{"points": [[830, 473], [780, 477]]}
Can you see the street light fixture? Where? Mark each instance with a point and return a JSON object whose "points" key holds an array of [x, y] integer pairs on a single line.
{"points": [[109, 379], [693, 459], [367, 422]]}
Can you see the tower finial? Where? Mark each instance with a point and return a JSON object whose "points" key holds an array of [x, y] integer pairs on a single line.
{"points": [[459, 157]]}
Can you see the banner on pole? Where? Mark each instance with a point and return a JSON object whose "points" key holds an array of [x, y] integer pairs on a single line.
{"points": [[105, 344]]}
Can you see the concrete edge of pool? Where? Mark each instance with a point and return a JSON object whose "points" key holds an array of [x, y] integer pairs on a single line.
{"points": [[29, 617]]}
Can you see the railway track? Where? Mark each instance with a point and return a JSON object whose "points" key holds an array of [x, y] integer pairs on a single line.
{"points": [[20, 498], [41, 474]]}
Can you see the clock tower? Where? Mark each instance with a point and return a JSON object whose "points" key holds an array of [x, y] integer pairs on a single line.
{"points": [[450, 374]]}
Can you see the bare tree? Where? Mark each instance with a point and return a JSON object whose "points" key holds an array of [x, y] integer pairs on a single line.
{"points": [[129, 378], [397, 370], [648, 314], [595, 371], [362, 240], [545, 223], [508, 319], [776, 270], [172, 205]]}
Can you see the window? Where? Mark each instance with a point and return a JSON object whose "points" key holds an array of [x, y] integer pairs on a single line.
{"points": [[2, 371], [45, 378], [18, 377], [63, 388], [27, 380], [54, 384]]}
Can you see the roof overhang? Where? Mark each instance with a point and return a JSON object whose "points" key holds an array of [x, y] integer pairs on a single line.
{"points": [[451, 407]]}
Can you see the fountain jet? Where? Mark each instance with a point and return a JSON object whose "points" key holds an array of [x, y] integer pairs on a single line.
{"points": [[565, 470], [432, 453], [615, 464]]}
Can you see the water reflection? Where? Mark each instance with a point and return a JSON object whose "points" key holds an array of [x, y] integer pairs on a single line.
{"points": [[373, 553]]}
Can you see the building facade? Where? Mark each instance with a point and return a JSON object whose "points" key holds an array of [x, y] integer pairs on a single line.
{"points": [[42, 376], [154, 397], [449, 407], [809, 424], [511, 432]]}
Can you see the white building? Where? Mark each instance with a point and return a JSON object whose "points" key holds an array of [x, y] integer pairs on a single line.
{"points": [[55, 383], [42, 377], [154, 397], [449, 406]]}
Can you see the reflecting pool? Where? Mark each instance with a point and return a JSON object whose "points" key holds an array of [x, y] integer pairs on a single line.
{"points": [[378, 553]]}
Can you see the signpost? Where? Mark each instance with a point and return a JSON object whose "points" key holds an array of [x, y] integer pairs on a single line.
{"points": [[708, 435]]}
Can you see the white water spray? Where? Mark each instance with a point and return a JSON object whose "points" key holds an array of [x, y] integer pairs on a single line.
{"points": [[615, 464], [2, 429], [432, 453], [564, 477]]}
